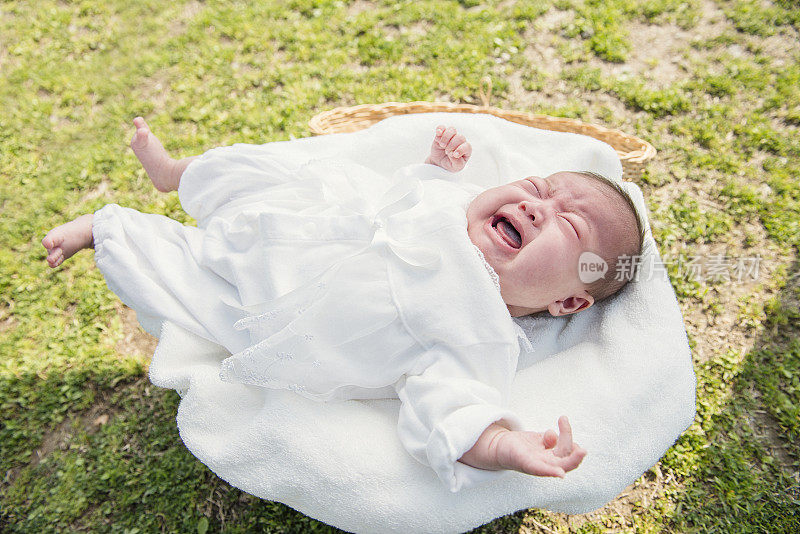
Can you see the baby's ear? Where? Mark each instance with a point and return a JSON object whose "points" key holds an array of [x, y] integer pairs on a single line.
{"points": [[571, 304]]}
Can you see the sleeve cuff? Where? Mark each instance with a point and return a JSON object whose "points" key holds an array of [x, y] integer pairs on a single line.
{"points": [[456, 435], [190, 188]]}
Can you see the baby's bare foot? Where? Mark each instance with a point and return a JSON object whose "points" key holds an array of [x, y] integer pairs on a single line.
{"points": [[155, 160], [65, 240]]}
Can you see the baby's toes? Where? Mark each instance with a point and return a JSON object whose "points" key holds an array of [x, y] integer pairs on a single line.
{"points": [[55, 258], [139, 139], [139, 122], [52, 240], [54, 253]]}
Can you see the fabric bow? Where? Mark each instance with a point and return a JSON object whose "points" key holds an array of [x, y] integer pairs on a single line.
{"points": [[402, 196]]}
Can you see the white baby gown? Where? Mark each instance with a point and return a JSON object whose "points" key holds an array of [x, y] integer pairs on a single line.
{"points": [[336, 282]]}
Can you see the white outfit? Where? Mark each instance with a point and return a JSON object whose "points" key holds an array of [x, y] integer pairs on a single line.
{"points": [[333, 281]]}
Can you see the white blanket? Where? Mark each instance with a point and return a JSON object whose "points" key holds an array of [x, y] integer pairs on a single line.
{"points": [[621, 371]]}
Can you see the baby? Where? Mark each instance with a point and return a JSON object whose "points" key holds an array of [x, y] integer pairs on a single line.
{"points": [[530, 233]]}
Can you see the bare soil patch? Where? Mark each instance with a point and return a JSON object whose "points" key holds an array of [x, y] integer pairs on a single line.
{"points": [[135, 341], [180, 24], [658, 50], [542, 53], [359, 6], [620, 513]]}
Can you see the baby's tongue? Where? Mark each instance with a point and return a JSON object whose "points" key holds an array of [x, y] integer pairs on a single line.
{"points": [[510, 231]]}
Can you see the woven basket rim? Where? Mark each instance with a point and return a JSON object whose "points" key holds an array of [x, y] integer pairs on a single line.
{"points": [[325, 122]]}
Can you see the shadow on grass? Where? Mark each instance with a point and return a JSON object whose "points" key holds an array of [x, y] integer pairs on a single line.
{"points": [[130, 473], [747, 471]]}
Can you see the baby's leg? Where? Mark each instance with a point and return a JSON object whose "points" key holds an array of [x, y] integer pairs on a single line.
{"points": [[164, 171], [65, 240]]}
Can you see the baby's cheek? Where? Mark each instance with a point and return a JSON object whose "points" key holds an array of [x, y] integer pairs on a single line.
{"points": [[520, 275], [546, 261]]}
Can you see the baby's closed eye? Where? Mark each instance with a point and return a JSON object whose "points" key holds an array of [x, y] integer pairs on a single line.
{"points": [[571, 225]]}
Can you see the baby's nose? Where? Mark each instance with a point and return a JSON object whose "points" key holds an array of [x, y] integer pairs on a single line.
{"points": [[529, 208], [535, 210]]}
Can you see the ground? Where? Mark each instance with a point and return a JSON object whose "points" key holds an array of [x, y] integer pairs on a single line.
{"points": [[87, 444]]}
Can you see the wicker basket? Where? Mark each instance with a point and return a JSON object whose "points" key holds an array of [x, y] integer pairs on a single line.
{"points": [[633, 152]]}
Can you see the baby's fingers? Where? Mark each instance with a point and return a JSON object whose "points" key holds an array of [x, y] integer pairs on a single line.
{"points": [[464, 149], [543, 469], [572, 461], [549, 438], [564, 445], [446, 136], [455, 141]]}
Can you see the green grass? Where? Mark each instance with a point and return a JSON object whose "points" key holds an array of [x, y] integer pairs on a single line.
{"points": [[74, 74]]}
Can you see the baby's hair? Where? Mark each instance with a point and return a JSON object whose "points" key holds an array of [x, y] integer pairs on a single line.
{"points": [[611, 283]]}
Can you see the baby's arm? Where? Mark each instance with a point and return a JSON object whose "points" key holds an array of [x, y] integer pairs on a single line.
{"points": [[449, 150], [533, 453]]}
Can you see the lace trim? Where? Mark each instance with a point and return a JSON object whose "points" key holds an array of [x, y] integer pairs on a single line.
{"points": [[492, 274], [522, 336]]}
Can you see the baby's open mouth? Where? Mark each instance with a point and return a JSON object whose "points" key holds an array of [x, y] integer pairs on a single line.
{"points": [[507, 231]]}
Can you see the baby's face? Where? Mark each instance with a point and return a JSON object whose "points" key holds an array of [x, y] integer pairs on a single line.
{"points": [[533, 231]]}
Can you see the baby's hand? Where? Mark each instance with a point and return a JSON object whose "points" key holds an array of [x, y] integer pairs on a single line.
{"points": [[449, 150], [547, 454]]}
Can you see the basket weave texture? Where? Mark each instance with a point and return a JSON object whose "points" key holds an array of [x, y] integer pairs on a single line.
{"points": [[634, 153]]}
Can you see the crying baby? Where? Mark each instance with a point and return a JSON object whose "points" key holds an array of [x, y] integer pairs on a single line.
{"points": [[427, 313]]}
